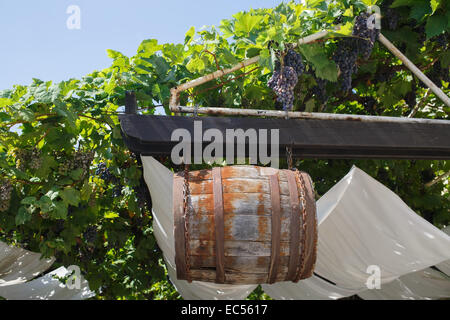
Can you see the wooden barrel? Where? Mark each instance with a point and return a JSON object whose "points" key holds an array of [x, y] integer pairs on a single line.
{"points": [[244, 225]]}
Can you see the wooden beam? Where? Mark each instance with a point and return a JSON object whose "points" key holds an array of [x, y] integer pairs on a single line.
{"points": [[130, 102], [215, 111], [309, 138]]}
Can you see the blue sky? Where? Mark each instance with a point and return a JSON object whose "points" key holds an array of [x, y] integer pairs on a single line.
{"points": [[36, 42]]}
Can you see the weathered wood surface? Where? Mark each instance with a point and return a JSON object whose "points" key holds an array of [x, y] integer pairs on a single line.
{"points": [[151, 135], [274, 264], [234, 277], [246, 250], [179, 228]]}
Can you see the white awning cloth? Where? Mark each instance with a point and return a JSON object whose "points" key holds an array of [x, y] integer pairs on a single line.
{"points": [[361, 223], [18, 265], [47, 287]]}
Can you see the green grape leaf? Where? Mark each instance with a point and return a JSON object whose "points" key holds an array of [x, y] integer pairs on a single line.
{"points": [[60, 210], [434, 5], [324, 67], [401, 3], [76, 174], [28, 200], [246, 22], [45, 203], [71, 196], [23, 215], [435, 25], [420, 10], [189, 36], [148, 47]]}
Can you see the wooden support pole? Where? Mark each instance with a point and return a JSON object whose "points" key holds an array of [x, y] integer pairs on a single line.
{"points": [[411, 66], [130, 102], [302, 115]]}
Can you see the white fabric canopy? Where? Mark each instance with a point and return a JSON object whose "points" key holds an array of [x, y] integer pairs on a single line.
{"points": [[160, 180], [18, 265], [428, 284], [361, 223], [47, 288]]}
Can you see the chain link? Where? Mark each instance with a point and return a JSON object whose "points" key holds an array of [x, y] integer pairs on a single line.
{"points": [[304, 225], [289, 158], [186, 208]]}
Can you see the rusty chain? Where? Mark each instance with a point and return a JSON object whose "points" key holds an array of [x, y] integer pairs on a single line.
{"points": [[304, 225], [289, 158], [186, 210], [311, 271]]}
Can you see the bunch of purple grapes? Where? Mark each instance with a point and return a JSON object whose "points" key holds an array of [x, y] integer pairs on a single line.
{"points": [[294, 59], [345, 57], [90, 234], [411, 97], [439, 74], [80, 160], [5, 195], [283, 83], [320, 90], [28, 159], [442, 40], [142, 195], [285, 78], [365, 37], [104, 173], [390, 18], [348, 49], [369, 104]]}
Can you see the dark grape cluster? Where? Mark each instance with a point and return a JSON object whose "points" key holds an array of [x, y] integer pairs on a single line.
{"points": [[58, 227], [283, 83], [348, 49], [294, 60], [369, 104], [104, 173], [109, 178], [320, 90], [338, 20], [117, 191], [439, 74], [441, 40], [86, 255], [421, 34], [365, 37], [80, 160], [411, 97], [5, 195], [28, 159], [83, 160], [427, 175], [383, 76], [142, 195], [390, 19], [90, 234], [345, 57]]}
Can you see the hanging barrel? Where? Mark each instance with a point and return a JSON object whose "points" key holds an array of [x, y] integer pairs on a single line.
{"points": [[244, 225]]}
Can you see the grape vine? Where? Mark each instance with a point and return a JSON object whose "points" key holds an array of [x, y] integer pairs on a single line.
{"points": [[28, 159], [69, 188], [80, 160]]}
